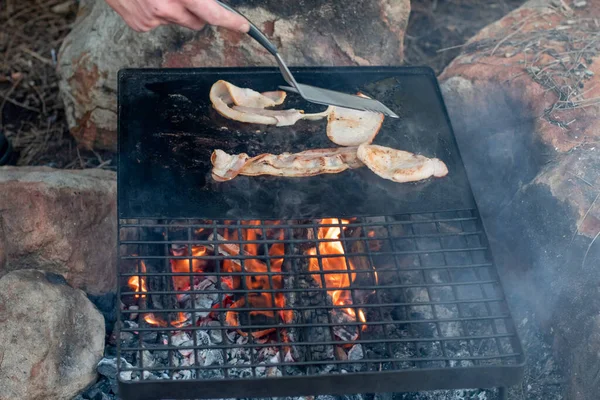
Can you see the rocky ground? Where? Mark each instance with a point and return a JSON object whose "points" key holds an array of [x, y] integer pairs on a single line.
{"points": [[523, 98], [32, 113]]}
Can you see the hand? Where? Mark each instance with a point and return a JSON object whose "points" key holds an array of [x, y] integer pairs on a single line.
{"points": [[145, 15]]}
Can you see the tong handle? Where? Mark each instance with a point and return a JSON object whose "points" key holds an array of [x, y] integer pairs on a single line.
{"points": [[254, 32]]}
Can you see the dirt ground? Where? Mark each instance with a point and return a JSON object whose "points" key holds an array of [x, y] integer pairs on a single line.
{"points": [[31, 32]]}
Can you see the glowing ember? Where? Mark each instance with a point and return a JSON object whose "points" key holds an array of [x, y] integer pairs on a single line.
{"points": [[259, 273], [256, 279], [152, 320]]}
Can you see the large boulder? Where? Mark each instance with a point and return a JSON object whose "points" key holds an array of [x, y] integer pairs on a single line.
{"points": [[60, 221], [307, 32], [51, 338], [523, 100]]}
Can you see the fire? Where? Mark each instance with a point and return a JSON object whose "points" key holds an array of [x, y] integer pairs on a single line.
{"points": [[258, 274], [152, 320], [257, 279], [137, 283], [337, 271], [183, 266]]}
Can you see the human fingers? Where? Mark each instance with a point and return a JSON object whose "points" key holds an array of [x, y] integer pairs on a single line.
{"points": [[212, 13], [176, 13]]}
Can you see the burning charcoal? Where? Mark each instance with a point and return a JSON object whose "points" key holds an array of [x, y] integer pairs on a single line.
{"points": [[261, 371], [213, 357], [126, 375], [288, 357], [267, 353], [186, 374], [340, 353], [356, 353], [344, 334], [188, 361], [186, 352], [203, 338], [325, 369], [241, 372], [215, 334], [205, 300], [180, 338], [325, 397], [108, 367], [149, 360], [241, 340], [133, 316], [127, 338], [273, 371], [149, 375]]}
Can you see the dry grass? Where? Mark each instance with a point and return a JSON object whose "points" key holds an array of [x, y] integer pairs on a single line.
{"points": [[558, 59], [31, 111], [447, 24]]}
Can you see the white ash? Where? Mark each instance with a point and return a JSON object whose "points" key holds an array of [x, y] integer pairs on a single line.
{"points": [[346, 333], [356, 353], [213, 357], [185, 374], [203, 338], [108, 367], [179, 338], [133, 316], [216, 335]]}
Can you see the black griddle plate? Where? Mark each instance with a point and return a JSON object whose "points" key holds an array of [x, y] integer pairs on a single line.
{"points": [[168, 130]]}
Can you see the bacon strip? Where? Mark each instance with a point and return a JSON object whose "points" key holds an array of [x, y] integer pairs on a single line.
{"points": [[247, 105], [306, 163], [400, 166], [347, 127]]}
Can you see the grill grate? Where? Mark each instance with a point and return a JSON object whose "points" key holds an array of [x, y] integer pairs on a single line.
{"points": [[285, 302]]}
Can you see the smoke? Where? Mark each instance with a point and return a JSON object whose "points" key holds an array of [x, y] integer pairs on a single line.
{"points": [[529, 215]]}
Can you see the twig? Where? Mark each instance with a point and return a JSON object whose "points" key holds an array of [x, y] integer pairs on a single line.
{"points": [[587, 212], [588, 249], [16, 103], [103, 163], [508, 37], [80, 159], [6, 97], [451, 48], [35, 55]]}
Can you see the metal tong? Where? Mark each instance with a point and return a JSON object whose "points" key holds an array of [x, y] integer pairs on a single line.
{"points": [[311, 93]]}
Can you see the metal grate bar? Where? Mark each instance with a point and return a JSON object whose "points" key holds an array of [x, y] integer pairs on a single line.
{"points": [[385, 293]]}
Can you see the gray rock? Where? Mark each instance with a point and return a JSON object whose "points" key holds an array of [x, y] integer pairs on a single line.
{"points": [[51, 340], [535, 173], [60, 221]]}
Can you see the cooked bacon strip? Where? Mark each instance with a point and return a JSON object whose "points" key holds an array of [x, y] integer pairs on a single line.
{"points": [[247, 105], [347, 127], [306, 163], [284, 117], [400, 166], [250, 98]]}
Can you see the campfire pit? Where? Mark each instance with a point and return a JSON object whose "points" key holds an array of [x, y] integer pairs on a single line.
{"points": [[349, 292]]}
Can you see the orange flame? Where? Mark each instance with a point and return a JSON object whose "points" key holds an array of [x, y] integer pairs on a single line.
{"points": [[138, 283], [334, 280], [183, 266], [152, 320], [180, 321]]}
